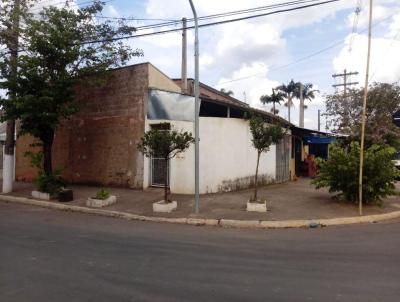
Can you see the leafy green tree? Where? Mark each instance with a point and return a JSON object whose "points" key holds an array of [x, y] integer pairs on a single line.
{"points": [[340, 172], [383, 100], [61, 47], [165, 144], [289, 91], [263, 136], [274, 98]]}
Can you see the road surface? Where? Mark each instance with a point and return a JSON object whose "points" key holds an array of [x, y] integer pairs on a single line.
{"points": [[47, 255]]}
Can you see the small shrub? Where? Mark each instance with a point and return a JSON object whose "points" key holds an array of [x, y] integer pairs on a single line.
{"points": [[341, 171], [102, 194], [165, 144], [51, 184], [47, 183]]}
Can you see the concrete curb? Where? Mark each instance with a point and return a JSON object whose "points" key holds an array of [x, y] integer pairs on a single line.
{"points": [[229, 223]]}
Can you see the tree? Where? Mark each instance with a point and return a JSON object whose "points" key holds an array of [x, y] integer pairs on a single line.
{"points": [[275, 97], [263, 136], [383, 100], [61, 47], [165, 144], [227, 92], [308, 92], [340, 172], [290, 91]]}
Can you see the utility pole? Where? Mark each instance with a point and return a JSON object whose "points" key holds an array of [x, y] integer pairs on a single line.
{"points": [[319, 120], [196, 112], [345, 84], [301, 117], [8, 164], [184, 58], [360, 176]]}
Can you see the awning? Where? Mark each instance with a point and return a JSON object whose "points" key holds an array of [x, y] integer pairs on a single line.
{"points": [[318, 140]]}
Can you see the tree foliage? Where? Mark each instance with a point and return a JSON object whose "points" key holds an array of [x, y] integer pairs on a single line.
{"points": [[274, 98], [263, 136], [166, 144], [341, 171], [60, 48], [292, 90], [382, 101]]}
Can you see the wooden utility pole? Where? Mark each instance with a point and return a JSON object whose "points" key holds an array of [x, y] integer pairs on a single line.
{"points": [[8, 164], [345, 84], [319, 120], [184, 58], [360, 177]]}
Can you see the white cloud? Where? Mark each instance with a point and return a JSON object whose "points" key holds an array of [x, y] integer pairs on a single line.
{"points": [[111, 11], [379, 12], [394, 27], [206, 60], [384, 62], [249, 89]]}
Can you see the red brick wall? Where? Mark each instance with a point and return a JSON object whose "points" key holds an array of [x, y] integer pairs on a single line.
{"points": [[98, 145]]}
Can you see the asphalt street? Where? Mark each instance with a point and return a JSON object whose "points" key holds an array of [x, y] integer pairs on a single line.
{"points": [[48, 255]]}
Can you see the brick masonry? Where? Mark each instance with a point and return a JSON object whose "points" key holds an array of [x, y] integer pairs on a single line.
{"points": [[98, 145]]}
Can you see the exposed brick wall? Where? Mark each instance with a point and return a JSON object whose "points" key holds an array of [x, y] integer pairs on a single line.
{"points": [[98, 144], [23, 169]]}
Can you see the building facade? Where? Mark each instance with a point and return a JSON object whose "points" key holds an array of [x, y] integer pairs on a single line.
{"points": [[98, 145]]}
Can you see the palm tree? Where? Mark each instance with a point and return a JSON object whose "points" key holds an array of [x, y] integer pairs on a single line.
{"points": [[308, 92], [275, 97], [290, 91]]}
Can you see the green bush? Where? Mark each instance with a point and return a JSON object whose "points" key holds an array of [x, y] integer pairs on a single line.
{"points": [[51, 184], [340, 172], [47, 183], [102, 194]]}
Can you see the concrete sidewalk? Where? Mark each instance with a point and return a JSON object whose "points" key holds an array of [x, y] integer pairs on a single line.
{"points": [[289, 201]]}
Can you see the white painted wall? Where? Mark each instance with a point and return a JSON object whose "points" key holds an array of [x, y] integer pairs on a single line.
{"points": [[227, 157]]}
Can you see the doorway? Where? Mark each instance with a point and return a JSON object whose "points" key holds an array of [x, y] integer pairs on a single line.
{"points": [[158, 170]]}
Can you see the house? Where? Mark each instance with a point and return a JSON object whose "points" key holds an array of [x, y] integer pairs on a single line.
{"points": [[98, 144]]}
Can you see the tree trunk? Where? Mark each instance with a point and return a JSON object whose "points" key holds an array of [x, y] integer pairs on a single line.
{"points": [[166, 181], [289, 105], [256, 177], [274, 108], [47, 153]]}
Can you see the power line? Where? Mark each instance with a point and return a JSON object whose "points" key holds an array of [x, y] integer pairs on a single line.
{"points": [[214, 16], [137, 19], [212, 23], [66, 2], [207, 24], [337, 43], [355, 23]]}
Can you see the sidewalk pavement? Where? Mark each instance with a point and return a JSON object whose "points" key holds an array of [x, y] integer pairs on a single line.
{"points": [[296, 200]]}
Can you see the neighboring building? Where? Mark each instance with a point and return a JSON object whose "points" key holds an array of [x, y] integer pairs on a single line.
{"points": [[98, 145], [307, 141]]}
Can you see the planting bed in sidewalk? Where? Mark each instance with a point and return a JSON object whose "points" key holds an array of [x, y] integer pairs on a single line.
{"points": [[292, 200]]}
